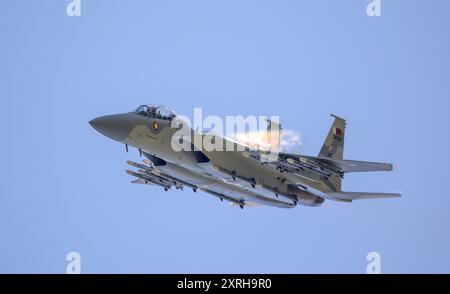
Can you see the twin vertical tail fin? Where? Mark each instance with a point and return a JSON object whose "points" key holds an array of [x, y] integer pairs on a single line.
{"points": [[333, 147], [332, 153]]}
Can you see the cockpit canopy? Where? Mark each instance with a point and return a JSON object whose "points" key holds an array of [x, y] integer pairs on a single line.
{"points": [[156, 111]]}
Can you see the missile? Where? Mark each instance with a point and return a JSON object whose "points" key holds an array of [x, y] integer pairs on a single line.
{"points": [[290, 160], [175, 180], [152, 175], [289, 164], [141, 166], [149, 163], [318, 168], [263, 157], [148, 177], [148, 171], [292, 164], [167, 178]]}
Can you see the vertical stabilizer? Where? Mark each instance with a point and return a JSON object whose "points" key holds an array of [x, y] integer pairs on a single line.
{"points": [[333, 147]]}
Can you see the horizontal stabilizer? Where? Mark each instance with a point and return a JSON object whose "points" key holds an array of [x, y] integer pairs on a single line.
{"points": [[349, 196], [351, 166]]}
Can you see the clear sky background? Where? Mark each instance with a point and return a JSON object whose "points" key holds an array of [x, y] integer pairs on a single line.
{"points": [[63, 186]]}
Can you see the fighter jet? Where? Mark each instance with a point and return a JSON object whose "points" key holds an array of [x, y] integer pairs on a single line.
{"points": [[244, 176]]}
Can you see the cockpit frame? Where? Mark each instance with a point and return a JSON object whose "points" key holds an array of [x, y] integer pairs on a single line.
{"points": [[156, 111]]}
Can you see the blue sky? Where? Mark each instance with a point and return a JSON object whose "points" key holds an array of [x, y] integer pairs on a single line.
{"points": [[63, 187]]}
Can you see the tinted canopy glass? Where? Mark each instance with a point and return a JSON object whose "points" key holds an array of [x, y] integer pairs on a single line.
{"points": [[156, 111]]}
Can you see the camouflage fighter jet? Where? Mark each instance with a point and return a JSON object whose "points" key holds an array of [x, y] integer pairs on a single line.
{"points": [[245, 176]]}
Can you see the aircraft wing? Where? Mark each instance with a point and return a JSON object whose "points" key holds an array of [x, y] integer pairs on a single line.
{"points": [[350, 196], [349, 166], [320, 165], [329, 169], [240, 196]]}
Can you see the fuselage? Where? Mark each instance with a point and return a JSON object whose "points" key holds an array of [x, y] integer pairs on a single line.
{"points": [[226, 173]]}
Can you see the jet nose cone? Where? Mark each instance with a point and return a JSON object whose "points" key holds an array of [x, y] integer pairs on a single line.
{"points": [[116, 127], [93, 123]]}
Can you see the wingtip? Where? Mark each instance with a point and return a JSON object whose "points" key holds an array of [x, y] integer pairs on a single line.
{"points": [[398, 193], [389, 166]]}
